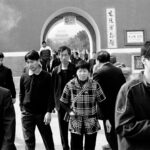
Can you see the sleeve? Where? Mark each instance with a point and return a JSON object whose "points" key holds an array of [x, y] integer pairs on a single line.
{"points": [[21, 92], [9, 123], [100, 94], [51, 103], [54, 76], [66, 95], [11, 84], [126, 122]]}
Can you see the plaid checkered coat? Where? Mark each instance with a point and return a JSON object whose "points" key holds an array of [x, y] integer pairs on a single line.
{"points": [[85, 119]]}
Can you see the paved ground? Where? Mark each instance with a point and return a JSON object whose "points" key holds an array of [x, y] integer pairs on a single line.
{"points": [[55, 129]]}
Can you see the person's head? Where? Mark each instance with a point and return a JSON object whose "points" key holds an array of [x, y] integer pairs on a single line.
{"points": [[83, 70], [32, 60], [64, 54], [146, 44], [103, 57], [44, 43], [1, 58], [145, 50], [145, 56]]}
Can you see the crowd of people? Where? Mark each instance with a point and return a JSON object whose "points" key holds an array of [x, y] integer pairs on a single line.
{"points": [[76, 88]]}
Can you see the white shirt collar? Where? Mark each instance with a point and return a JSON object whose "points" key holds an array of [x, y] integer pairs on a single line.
{"points": [[36, 73]]}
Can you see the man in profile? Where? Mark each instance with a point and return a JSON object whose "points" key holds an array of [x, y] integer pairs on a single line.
{"points": [[7, 121]]}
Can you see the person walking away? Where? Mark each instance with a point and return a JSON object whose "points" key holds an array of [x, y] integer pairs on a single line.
{"points": [[111, 79], [35, 102]]}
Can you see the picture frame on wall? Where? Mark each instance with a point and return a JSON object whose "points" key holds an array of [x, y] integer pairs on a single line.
{"points": [[134, 37], [137, 65]]}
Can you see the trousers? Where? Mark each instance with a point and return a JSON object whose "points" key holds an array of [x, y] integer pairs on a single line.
{"points": [[63, 126], [29, 122]]}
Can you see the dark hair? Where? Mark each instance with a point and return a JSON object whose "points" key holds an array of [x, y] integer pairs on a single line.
{"points": [[1, 55], [44, 42], [145, 50], [83, 65], [33, 55], [63, 48], [103, 56]]}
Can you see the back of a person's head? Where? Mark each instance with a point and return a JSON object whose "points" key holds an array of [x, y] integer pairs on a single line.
{"points": [[103, 56], [32, 55], [83, 65], [63, 48], [145, 50], [146, 44], [1, 55]]}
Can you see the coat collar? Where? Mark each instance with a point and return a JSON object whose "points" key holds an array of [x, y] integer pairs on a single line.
{"points": [[77, 84], [60, 67]]}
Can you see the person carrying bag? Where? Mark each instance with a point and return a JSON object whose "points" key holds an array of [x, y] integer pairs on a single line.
{"points": [[80, 96]]}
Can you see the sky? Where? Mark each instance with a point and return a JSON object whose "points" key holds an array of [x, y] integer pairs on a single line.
{"points": [[9, 17]]}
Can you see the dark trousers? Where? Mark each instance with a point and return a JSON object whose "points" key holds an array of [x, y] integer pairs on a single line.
{"points": [[63, 126], [29, 122], [112, 136], [77, 141]]}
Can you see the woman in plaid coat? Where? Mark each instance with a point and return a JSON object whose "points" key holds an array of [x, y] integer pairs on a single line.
{"points": [[80, 98]]}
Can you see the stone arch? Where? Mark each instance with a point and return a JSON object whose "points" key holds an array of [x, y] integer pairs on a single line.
{"points": [[82, 17]]}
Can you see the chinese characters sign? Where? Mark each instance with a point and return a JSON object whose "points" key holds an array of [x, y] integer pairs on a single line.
{"points": [[111, 28], [134, 37]]}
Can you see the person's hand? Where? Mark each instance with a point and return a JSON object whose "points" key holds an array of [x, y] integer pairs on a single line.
{"points": [[47, 118], [108, 126], [13, 100]]}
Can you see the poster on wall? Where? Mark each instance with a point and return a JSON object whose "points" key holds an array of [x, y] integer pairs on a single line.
{"points": [[111, 28], [134, 37], [137, 65]]}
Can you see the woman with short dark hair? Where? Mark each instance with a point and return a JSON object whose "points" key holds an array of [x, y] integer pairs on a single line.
{"points": [[79, 98]]}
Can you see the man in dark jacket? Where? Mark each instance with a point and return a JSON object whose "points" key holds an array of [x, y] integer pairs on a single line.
{"points": [[7, 121], [132, 115], [60, 76], [35, 102], [6, 79], [111, 79]]}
